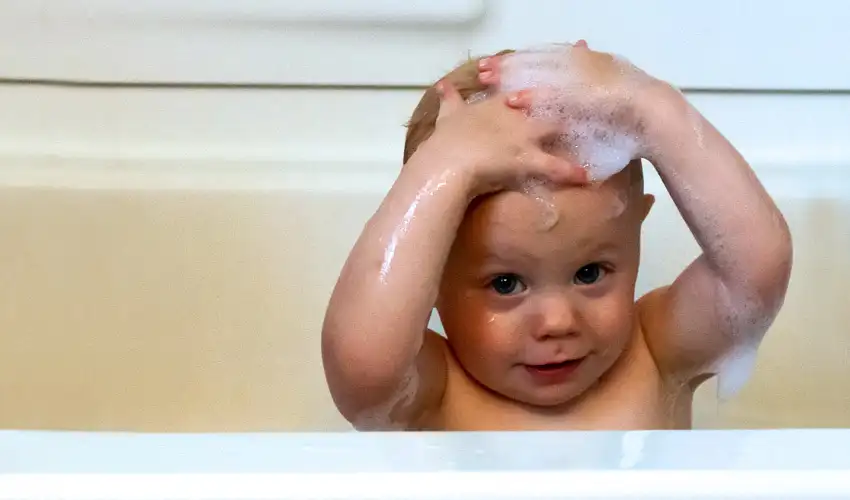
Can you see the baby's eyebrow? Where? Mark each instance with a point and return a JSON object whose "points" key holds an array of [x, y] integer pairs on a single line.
{"points": [[504, 256], [512, 253], [599, 249], [603, 246]]}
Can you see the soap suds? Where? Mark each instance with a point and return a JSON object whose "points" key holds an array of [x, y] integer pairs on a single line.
{"points": [[598, 133], [696, 121], [735, 371], [747, 321], [382, 417]]}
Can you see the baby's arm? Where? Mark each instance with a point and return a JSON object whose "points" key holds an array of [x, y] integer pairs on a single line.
{"points": [[373, 332], [728, 297], [382, 371]]}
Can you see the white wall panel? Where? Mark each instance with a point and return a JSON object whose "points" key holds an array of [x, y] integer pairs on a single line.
{"points": [[784, 44]]}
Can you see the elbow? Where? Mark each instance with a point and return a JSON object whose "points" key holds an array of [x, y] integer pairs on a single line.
{"points": [[359, 376], [338, 364], [778, 260], [351, 385], [757, 284], [769, 276]]}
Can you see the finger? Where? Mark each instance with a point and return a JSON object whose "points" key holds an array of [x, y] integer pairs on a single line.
{"points": [[490, 63], [559, 170], [488, 77], [450, 98], [488, 70], [555, 168], [546, 130], [582, 43], [519, 100]]}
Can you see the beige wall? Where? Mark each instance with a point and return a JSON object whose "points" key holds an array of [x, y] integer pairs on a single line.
{"points": [[174, 310]]}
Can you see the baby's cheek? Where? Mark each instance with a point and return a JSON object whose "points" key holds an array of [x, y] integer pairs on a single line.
{"points": [[614, 316], [502, 332]]}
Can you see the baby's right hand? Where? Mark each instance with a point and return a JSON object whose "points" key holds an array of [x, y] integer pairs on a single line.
{"points": [[497, 142]]}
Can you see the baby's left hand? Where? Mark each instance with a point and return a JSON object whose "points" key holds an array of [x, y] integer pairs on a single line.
{"points": [[573, 69], [578, 84]]}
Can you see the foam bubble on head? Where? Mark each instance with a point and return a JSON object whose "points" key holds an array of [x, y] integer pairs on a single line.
{"points": [[597, 134]]}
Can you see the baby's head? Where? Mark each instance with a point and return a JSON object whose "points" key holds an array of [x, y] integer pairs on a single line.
{"points": [[539, 314]]}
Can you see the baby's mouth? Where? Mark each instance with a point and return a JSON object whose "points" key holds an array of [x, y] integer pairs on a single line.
{"points": [[550, 373], [556, 366]]}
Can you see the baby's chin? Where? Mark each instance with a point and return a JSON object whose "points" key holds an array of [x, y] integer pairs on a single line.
{"points": [[548, 397], [552, 398]]}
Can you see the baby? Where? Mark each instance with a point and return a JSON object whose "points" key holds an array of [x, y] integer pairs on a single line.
{"points": [[537, 293]]}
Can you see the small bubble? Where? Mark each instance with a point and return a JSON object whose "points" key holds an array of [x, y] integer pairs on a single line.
{"points": [[536, 189]]}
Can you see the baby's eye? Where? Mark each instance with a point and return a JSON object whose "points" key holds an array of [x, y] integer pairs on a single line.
{"points": [[507, 284], [589, 274]]}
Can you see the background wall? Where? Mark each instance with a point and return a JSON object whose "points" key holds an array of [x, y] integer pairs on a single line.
{"points": [[181, 181]]}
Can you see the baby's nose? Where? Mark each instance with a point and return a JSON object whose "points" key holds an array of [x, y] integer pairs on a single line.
{"points": [[557, 318]]}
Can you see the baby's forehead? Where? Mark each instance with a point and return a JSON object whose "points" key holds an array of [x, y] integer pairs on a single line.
{"points": [[582, 216], [572, 204]]}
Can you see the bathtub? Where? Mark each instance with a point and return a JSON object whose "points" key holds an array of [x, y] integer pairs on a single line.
{"points": [[523, 465]]}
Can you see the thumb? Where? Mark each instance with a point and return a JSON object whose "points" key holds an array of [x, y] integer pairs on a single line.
{"points": [[450, 99], [561, 171]]}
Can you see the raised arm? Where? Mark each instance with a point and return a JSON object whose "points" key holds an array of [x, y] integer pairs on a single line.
{"points": [[382, 369], [729, 296], [373, 332]]}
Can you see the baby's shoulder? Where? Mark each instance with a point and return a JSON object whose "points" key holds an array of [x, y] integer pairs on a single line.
{"points": [[652, 323], [665, 334]]}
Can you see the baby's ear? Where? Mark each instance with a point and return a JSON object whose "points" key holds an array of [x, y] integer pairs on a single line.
{"points": [[648, 202]]}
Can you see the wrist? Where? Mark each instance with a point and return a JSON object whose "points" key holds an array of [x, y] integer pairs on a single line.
{"points": [[433, 164], [666, 116], [466, 170]]}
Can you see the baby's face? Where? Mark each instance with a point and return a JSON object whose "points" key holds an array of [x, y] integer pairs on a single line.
{"points": [[539, 315]]}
